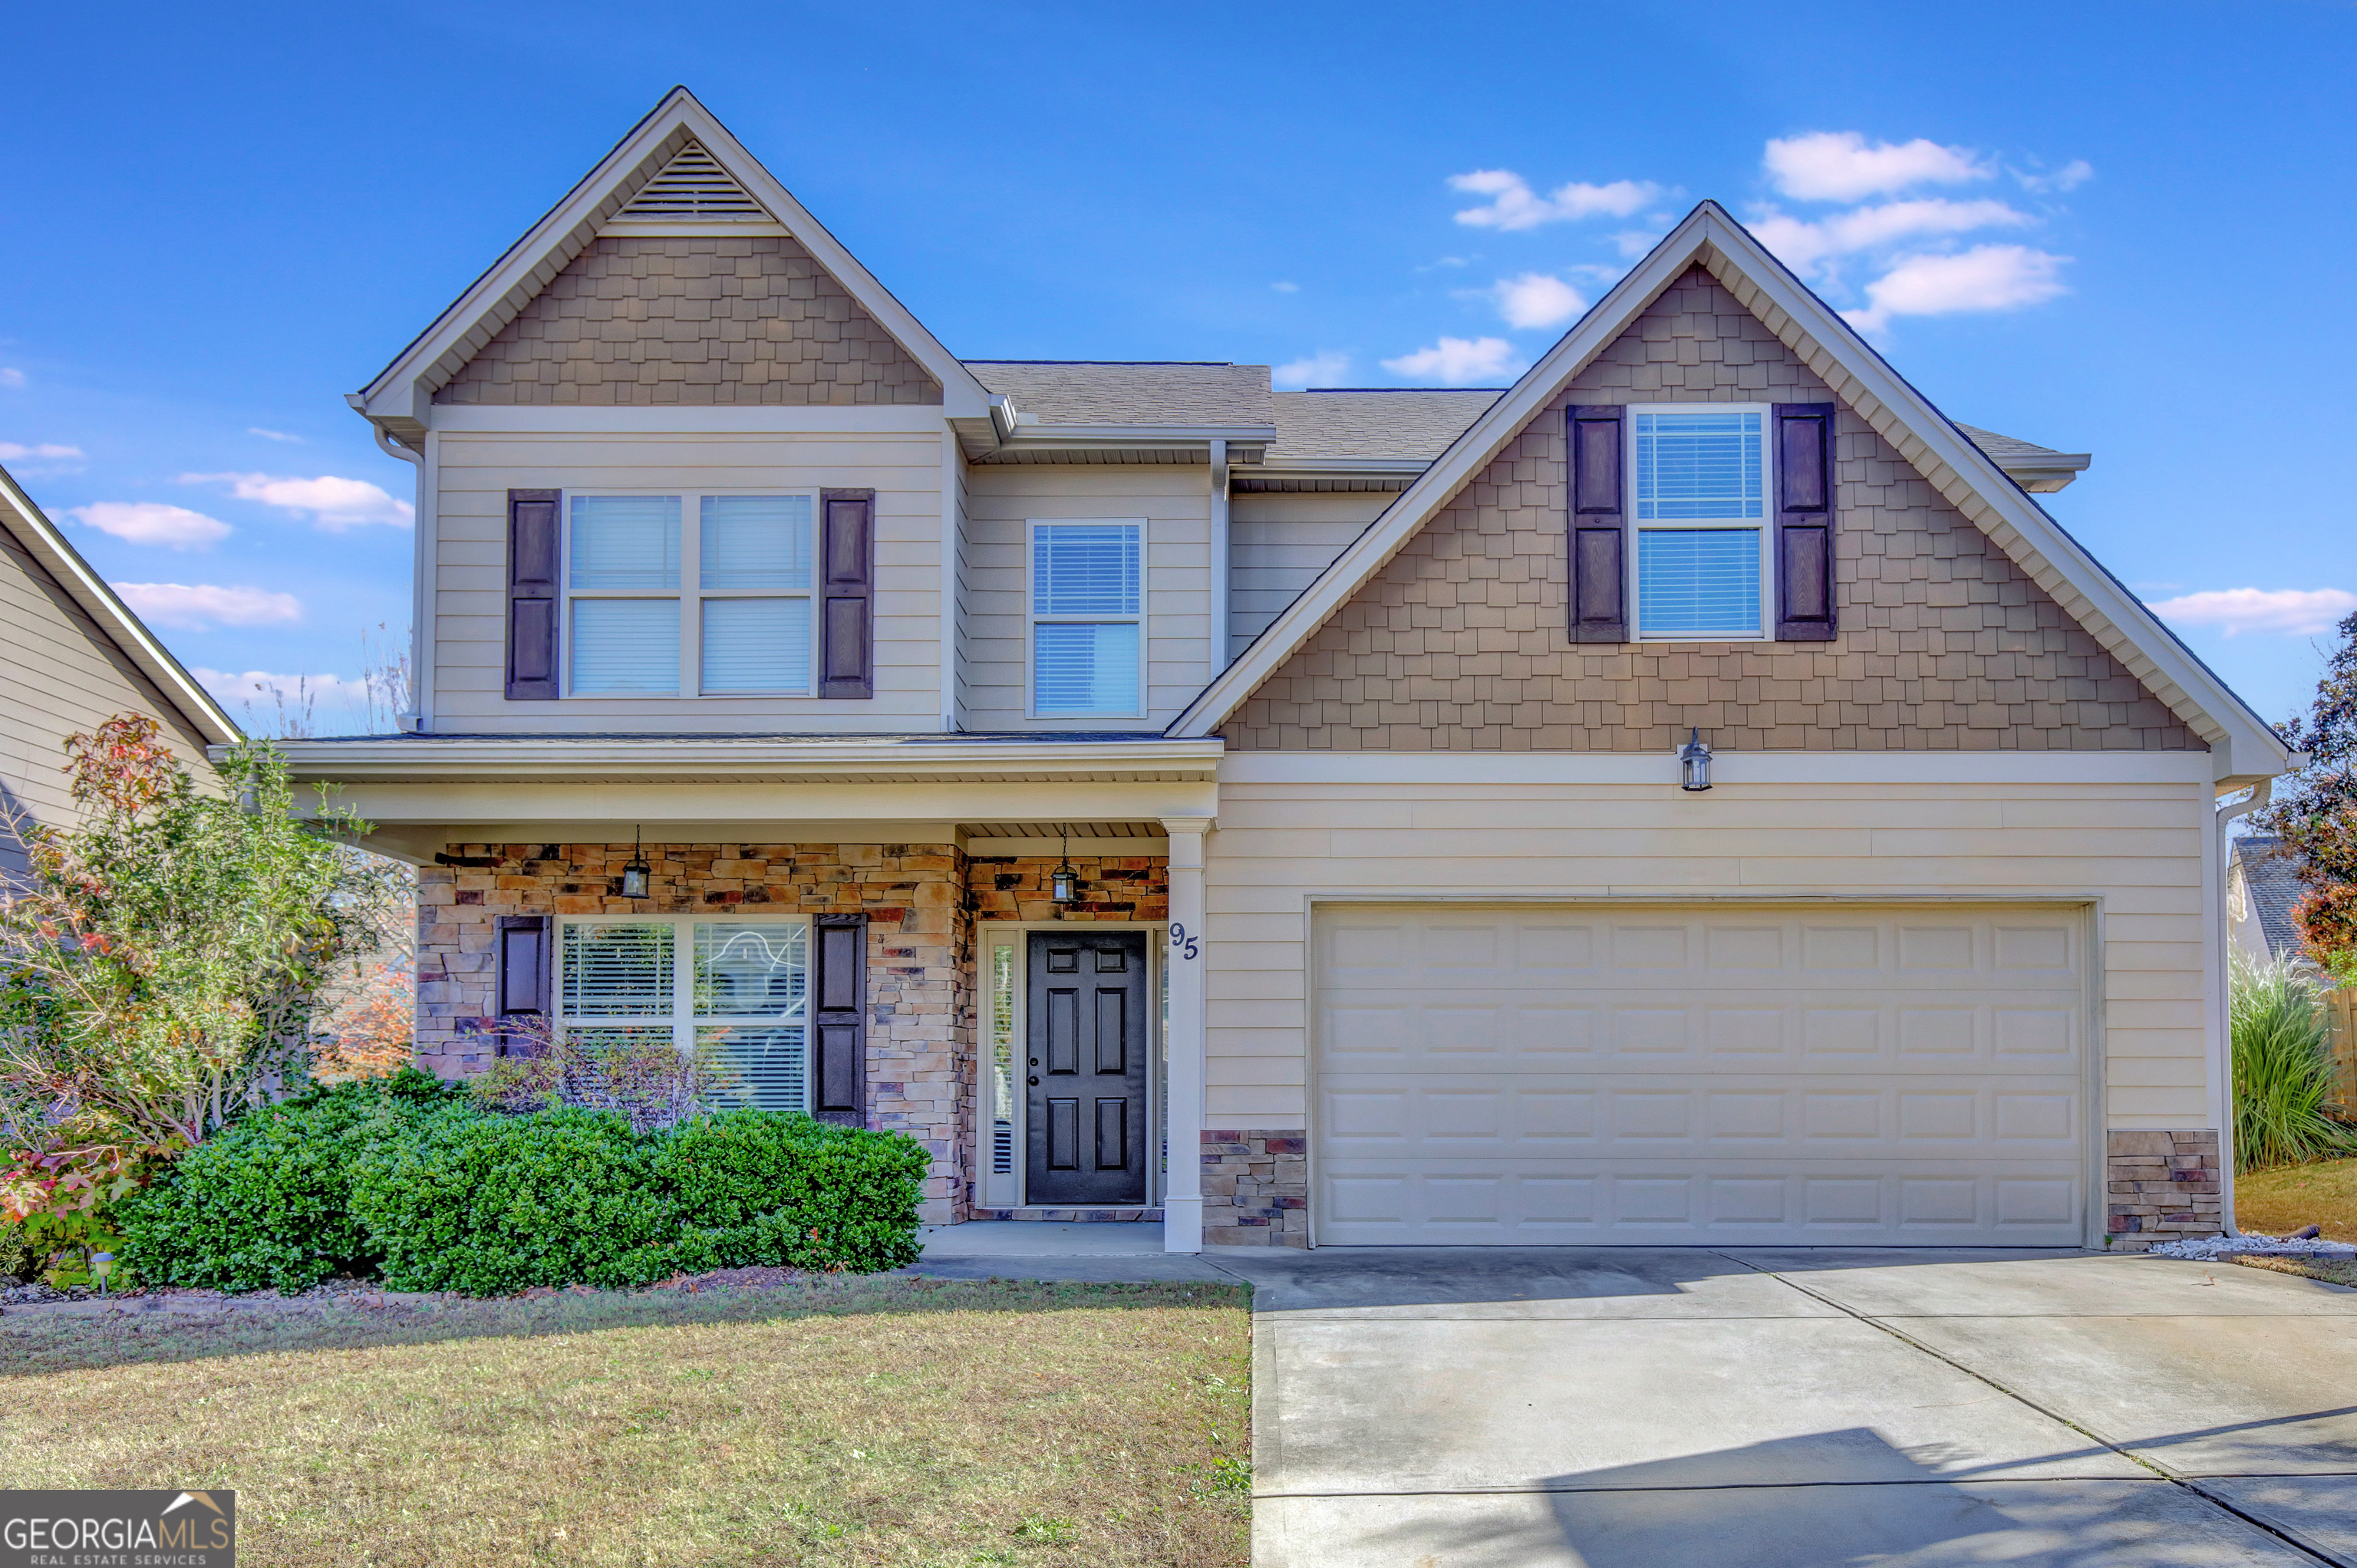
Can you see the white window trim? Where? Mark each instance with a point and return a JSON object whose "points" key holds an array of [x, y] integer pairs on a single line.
{"points": [[1032, 619], [1765, 524], [688, 596], [683, 1021], [992, 1189]]}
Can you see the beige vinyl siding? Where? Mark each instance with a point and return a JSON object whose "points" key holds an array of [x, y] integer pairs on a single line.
{"points": [[60, 675], [2130, 840], [477, 470], [1175, 503], [1279, 542]]}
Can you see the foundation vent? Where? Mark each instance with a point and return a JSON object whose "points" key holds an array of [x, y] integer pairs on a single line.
{"points": [[694, 188]]}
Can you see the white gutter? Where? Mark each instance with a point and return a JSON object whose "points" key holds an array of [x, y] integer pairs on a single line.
{"points": [[1222, 568]]}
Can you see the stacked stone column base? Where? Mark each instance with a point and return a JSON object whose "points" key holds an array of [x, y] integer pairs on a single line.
{"points": [[1256, 1188], [2162, 1186]]}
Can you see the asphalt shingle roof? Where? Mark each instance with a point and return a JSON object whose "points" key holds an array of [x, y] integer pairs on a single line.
{"points": [[1408, 422], [2273, 886], [1066, 392]]}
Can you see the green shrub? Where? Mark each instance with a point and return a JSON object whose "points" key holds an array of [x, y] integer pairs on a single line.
{"points": [[2283, 1070], [491, 1205], [266, 1202]]}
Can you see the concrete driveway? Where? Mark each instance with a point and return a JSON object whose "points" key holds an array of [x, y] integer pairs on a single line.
{"points": [[1643, 1408]]}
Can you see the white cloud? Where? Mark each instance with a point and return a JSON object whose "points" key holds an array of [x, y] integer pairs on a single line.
{"points": [[334, 504], [1804, 245], [1287, 287], [244, 686], [2295, 612], [195, 606], [15, 452], [269, 434], [11, 377], [1456, 361], [1986, 277], [1838, 166], [153, 522], [2069, 177], [1535, 299], [1327, 367], [1634, 242], [1514, 205]]}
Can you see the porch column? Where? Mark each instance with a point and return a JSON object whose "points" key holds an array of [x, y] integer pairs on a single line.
{"points": [[1187, 953]]}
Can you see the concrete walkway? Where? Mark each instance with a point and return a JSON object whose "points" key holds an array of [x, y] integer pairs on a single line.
{"points": [[1643, 1408]]}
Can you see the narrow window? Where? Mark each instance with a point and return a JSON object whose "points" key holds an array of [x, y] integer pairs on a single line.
{"points": [[1002, 1057], [621, 580], [1701, 484], [735, 991], [1086, 630]]}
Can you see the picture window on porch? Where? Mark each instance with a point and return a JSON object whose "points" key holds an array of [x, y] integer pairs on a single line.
{"points": [[745, 626], [736, 991], [1701, 486], [1087, 630]]}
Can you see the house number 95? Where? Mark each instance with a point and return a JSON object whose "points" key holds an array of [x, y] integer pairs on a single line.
{"points": [[1180, 942]]}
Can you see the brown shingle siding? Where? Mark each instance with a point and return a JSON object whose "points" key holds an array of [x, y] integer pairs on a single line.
{"points": [[647, 320], [1458, 643]]}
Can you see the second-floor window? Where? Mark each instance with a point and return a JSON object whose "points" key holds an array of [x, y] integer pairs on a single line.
{"points": [[1087, 622], [697, 594], [1700, 478]]}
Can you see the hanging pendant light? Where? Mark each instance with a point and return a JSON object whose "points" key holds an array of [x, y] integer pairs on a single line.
{"points": [[1694, 762], [636, 871], [1064, 882]]}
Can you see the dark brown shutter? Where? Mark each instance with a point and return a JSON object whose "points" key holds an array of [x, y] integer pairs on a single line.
{"points": [[847, 590], [1804, 521], [522, 956], [839, 1020], [1598, 542], [531, 595]]}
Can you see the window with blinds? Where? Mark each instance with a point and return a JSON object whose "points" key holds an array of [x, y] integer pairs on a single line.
{"points": [[735, 990], [742, 626], [1700, 505], [1087, 630]]}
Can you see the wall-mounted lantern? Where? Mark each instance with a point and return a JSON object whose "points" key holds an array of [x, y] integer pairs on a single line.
{"points": [[1694, 762], [1064, 882], [636, 871]]}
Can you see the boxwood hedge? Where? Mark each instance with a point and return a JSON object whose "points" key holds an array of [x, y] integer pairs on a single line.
{"points": [[431, 1192]]}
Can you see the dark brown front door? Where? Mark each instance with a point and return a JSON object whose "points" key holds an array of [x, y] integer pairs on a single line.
{"points": [[1086, 1067]]}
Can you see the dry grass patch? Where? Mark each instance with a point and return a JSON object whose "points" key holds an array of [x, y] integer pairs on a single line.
{"points": [[2283, 1199], [2331, 1271], [897, 1422]]}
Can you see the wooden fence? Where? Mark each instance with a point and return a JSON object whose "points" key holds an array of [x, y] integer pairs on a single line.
{"points": [[2341, 1007]]}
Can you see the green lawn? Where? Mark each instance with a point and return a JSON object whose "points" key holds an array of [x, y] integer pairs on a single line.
{"points": [[883, 1422], [2289, 1197]]}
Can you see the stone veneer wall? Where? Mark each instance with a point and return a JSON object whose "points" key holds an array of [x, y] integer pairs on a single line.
{"points": [[679, 320], [1256, 1188], [2162, 1186], [1458, 643], [920, 1061], [1112, 887]]}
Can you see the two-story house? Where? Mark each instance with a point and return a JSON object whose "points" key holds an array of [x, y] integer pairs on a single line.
{"points": [[1693, 795]]}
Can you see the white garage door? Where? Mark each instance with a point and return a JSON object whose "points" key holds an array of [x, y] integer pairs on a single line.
{"points": [[1719, 1076]]}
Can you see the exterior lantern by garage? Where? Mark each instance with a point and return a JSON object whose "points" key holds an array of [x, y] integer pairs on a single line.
{"points": [[636, 870], [1064, 882], [1694, 762]]}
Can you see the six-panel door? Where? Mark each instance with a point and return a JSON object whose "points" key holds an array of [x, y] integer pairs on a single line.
{"points": [[1086, 1067]]}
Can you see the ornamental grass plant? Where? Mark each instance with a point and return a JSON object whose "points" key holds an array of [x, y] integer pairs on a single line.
{"points": [[2284, 1108]]}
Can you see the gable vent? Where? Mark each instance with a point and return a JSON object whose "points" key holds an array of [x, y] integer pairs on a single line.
{"points": [[693, 187]]}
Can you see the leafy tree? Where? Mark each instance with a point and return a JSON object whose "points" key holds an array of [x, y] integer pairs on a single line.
{"points": [[2316, 809], [159, 963]]}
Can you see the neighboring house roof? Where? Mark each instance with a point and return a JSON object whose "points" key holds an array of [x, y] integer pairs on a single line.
{"points": [[41, 539], [607, 201], [2041, 471], [1098, 392], [2271, 883], [2244, 746]]}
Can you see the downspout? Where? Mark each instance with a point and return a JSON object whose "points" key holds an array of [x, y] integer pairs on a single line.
{"points": [[1220, 568], [2218, 841], [421, 515]]}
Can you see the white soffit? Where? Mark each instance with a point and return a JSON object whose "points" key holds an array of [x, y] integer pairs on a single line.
{"points": [[2243, 745], [401, 396]]}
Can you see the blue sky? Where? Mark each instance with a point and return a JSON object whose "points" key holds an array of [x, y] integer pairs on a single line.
{"points": [[2111, 228]]}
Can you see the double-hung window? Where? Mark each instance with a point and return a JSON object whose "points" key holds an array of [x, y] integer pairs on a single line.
{"points": [[1087, 629], [696, 593], [1700, 483], [737, 991]]}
